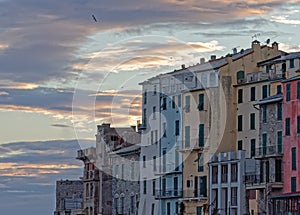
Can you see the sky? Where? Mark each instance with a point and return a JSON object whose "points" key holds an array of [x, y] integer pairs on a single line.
{"points": [[62, 73]]}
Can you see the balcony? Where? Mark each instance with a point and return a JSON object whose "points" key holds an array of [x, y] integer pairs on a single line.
{"points": [[168, 194], [194, 195], [268, 151], [193, 145]]}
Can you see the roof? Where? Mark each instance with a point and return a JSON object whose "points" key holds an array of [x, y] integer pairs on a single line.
{"points": [[126, 150], [242, 54], [292, 79], [286, 195], [209, 65], [293, 55], [270, 99]]}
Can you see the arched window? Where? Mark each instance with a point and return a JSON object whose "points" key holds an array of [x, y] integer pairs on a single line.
{"points": [[240, 75]]}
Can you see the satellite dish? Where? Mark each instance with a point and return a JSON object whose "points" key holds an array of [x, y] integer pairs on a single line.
{"points": [[242, 51]]}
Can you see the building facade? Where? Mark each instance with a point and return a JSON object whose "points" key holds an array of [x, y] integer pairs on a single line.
{"points": [[69, 197], [125, 182]]}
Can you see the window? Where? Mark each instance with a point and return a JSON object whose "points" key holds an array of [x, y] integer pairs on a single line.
{"points": [[203, 186], [212, 79], [154, 90], [154, 163], [279, 142], [179, 100], [156, 136], [264, 141], [153, 187], [200, 162], [145, 97], [201, 135], [164, 103], [279, 89], [234, 172], [176, 160], [116, 204], [168, 208], [224, 173], [240, 75], [240, 145], [164, 160], [201, 102], [188, 183], [214, 174], [253, 143], [152, 209], [287, 126], [199, 210], [122, 205], [132, 208], [279, 111], [234, 196], [240, 122], [144, 161], [264, 114], [252, 94], [264, 91], [240, 96], [173, 102], [298, 90], [164, 127], [298, 124], [252, 121], [144, 116], [278, 170], [187, 136], [177, 128], [145, 186], [175, 185], [187, 104], [292, 63], [152, 137], [267, 171], [293, 184], [288, 92], [117, 171], [123, 171], [294, 167], [132, 170], [154, 112]]}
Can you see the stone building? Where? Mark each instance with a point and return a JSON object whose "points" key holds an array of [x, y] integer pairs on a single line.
{"points": [[69, 197], [125, 182], [91, 181]]}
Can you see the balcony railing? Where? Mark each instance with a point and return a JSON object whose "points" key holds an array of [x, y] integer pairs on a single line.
{"points": [[252, 178], [165, 194], [270, 150], [86, 153], [194, 194], [192, 144]]}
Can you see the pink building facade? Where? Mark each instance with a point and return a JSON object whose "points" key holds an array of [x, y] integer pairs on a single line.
{"points": [[291, 135]]}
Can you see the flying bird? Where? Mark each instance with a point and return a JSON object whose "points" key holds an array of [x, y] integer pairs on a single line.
{"points": [[94, 18]]}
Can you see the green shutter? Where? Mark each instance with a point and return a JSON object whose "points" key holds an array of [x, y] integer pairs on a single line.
{"points": [[294, 167], [253, 147], [279, 142], [200, 162], [298, 124], [252, 121], [240, 145], [298, 90], [265, 91], [203, 186], [267, 171], [240, 123], [201, 135], [293, 184], [187, 136], [201, 102], [288, 92], [264, 140], [287, 126]]}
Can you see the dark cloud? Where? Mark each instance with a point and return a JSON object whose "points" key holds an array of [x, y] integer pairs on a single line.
{"points": [[60, 125]]}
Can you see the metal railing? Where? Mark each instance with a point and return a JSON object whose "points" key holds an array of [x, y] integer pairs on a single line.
{"points": [[160, 194], [268, 150]]}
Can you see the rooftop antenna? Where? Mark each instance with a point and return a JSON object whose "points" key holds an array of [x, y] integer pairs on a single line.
{"points": [[255, 36]]}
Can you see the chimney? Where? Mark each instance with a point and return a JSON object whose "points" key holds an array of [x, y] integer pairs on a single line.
{"points": [[213, 57], [182, 66], [202, 60], [275, 45], [255, 45], [234, 51]]}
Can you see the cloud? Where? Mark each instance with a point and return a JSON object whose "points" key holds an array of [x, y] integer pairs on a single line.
{"points": [[60, 126], [289, 48], [285, 20]]}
